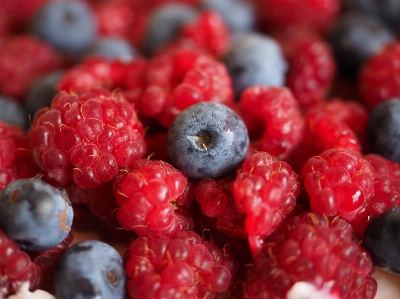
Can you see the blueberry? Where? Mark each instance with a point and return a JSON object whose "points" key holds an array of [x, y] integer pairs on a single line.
{"points": [[89, 270], [12, 112], [112, 48], [164, 25], [382, 240], [355, 37], [383, 129], [207, 140], [42, 91], [238, 15], [386, 10], [67, 25], [255, 59], [35, 214]]}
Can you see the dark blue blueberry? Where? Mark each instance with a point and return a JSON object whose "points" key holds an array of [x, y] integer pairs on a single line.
{"points": [[164, 25], [67, 25], [355, 37], [90, 270], [12, 112], [35, 214], [383, 129], [42, 91], [255, 59], [112, 48], [382, 240], [207, 140], [386, 10], [238, 15]]}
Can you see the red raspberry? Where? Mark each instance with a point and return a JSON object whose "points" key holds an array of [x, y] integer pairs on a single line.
{"points": [[379, 78], [340, 182], [21, 11], [179, 78], [332, 124], [15, 156], [18, 69], [315, 15], [16, 267], [386, 185], [147, 196], [216, 201], [86, 136], [182, 266], [265, 190], [314, 252], [274, 113], [208, 32], [311, 65]]}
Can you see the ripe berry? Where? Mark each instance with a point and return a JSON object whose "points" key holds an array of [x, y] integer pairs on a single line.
{"points": [[17, 68], [35, 214], [315, 253], [265, 189], [273, 116], [13, 112], [147, 195], [16, 267], [112, 48], [164, 25], [90, 269], [383, 128], [247, 69], [354, 38], [207, 140], [340, 182], [382, 242], [379, 79], [182, 266], [86, 136], [68, 26]]}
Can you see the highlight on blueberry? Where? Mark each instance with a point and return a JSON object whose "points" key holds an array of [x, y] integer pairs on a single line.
{"points": [[35, 214], [90, 269], [207, 140]]}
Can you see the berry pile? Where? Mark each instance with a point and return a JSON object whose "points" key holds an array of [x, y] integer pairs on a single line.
{"points": [[217, 148]]}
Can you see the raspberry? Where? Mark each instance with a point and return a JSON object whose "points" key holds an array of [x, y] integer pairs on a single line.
{"points": [[18, 69], [316, 252], [182, 266], [314, 15], [340, 182], [274, 113], [216, 201], [331, 124], [265, 189], [208, 32], [179, 78], [386, 185], [16, 267], [378, 79], [147, 196], [311, 65], [15, 156], [86, 136]]}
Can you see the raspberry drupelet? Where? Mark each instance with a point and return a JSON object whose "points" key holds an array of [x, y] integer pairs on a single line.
{"points": [[147, 196], [340, 182], [265, 189], [86, 136], [273, 116], [313, 256], [182, 266]]}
